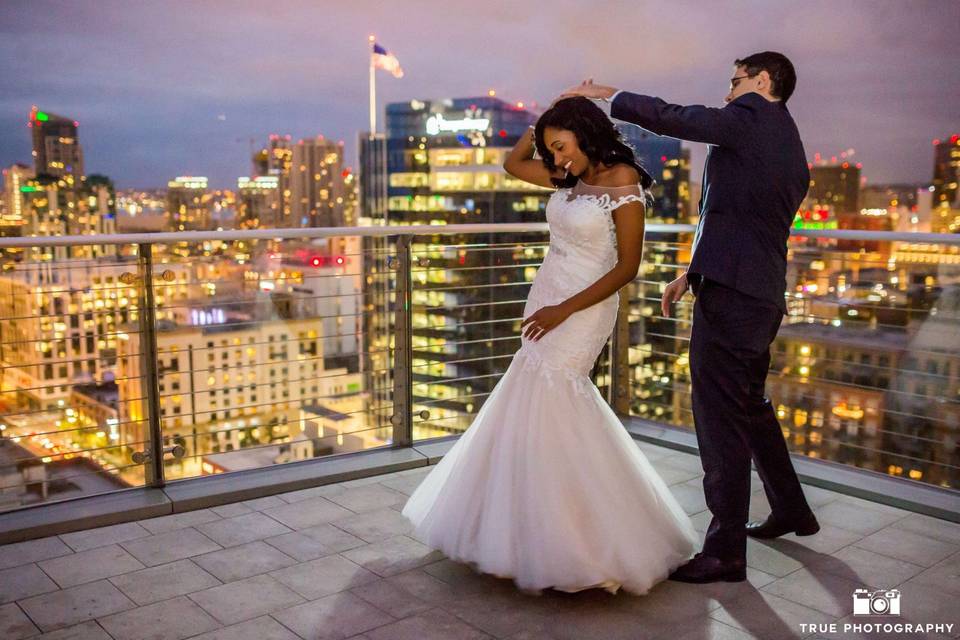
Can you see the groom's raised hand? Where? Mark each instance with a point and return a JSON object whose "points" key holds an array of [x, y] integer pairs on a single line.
{"points": [[588, 89]]}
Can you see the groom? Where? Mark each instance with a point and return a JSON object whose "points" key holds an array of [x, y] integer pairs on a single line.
{"points": [[754, 180]]}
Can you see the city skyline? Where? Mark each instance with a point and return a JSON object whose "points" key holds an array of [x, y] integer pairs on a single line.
{"points": [[158, 93]]}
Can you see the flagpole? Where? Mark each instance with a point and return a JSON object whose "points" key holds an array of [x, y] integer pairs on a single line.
{"points": [[373, 92]]}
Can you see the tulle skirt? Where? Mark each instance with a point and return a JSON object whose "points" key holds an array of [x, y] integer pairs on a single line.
{"points": [[547, 487]]}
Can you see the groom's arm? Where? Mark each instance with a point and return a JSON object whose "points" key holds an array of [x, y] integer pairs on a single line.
{"points": [[696, 123]]}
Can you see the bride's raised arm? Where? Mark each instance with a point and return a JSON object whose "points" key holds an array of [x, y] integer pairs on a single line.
{"points": [[521, 164]]}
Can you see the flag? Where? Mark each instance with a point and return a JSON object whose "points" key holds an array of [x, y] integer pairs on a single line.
{"points": [[386, 61]]}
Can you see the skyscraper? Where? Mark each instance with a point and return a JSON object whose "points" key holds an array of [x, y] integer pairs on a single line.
{"points": [[56, 149], [186, 207], [946, 172], [317, 193], [440, 162], [835, 185]]}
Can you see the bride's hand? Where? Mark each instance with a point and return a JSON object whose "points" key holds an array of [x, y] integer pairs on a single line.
{"points": [[543, 320], [588, 90]]}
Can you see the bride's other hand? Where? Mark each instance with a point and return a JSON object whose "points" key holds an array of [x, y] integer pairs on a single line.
{"points": [[588, 89], [673, 293], [543, 320]]}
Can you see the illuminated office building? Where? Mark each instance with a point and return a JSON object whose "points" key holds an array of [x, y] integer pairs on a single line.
{"points": [[946, 172], [187, 207], [258, 202], [276, 161], [13, 218], [836, 185], [440, 162], [56, 148], [658, 346], [317, 190]]}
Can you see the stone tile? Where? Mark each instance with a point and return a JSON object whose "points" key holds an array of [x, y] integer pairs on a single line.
{"points": [[701, 520], [759, 507], [818, 497], [231, 510], [876, 506], [690, 496], [825, 592], [654, 452], [387, 597], [172, 619], [24, 581], [393, 555], [231, 532], [243, 561], [307, 513], [904, 545], [428, 588], [434, 624], [673, 475], [868, 568], [84, 631], [810, 549], [368, 498], [860, 519], [262, 628], [769, 559], [245, 599], [300, 547], [324, 576], [333, 617], [923, 603], [175, 521], [710, 629], [404, 484], [163, 582], [684, 461], [313, 492], [502, 612], [767, 616], [167, 547], [68, 607], [944, 576], [360, 482], [18, 553], [259, 504], [935, 528], [103, 536], [374, 526], [87, 566], [333, 537], [14, 623]]}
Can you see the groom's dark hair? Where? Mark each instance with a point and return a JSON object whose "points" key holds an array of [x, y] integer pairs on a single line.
{"points": [[782, 74]]}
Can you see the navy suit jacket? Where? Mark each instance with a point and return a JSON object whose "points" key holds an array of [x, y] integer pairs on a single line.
{"points": [[754, 180]]}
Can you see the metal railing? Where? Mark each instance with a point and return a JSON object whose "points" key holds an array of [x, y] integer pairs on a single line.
{"points": [[194, 353]]}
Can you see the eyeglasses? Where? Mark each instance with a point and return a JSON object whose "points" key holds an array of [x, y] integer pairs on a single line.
{"points": [[734, 81]]}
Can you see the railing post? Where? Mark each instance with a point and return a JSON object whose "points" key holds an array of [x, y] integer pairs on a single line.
{"points": [[403, 348], [148, 365], [619, 356]]}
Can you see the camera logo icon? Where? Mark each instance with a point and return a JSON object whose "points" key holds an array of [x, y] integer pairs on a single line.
{"points": [[882, 602]]}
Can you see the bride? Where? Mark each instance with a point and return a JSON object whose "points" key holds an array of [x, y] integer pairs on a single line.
{"points": [[546, 486]]}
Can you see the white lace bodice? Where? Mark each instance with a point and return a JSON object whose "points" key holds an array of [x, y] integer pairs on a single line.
{"points": [[583, 247]]}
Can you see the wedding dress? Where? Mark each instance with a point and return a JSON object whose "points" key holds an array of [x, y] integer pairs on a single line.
{"points": [[546, 486]]}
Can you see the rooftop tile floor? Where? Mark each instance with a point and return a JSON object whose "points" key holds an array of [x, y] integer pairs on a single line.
{"points": [[337, 562]]}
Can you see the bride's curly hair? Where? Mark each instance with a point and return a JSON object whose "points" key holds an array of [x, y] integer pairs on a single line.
{"points": [[596, 136]]}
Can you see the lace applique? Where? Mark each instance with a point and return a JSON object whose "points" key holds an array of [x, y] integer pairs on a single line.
{"points": [[531, 362]]}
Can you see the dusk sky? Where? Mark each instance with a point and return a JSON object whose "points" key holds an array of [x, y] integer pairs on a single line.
{"points": [[148, 80]]}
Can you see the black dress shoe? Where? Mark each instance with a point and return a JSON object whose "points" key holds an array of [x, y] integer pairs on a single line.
{"points": [[774, 527], [703, 569]]}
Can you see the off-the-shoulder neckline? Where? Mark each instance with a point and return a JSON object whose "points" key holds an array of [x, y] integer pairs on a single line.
{"points": [[603, 186]]}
